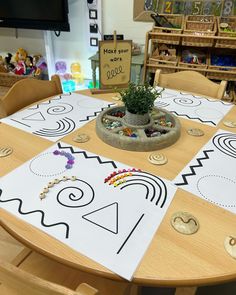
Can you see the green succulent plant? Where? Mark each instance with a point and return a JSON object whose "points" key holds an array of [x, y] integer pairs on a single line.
{"points": [[139, 99]]}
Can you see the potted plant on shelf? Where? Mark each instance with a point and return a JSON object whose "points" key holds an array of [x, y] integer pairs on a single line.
{"points": [[139, 102]]}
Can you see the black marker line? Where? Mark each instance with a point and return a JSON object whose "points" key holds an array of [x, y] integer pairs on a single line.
{"points": [[130, 234], [20, 123]]}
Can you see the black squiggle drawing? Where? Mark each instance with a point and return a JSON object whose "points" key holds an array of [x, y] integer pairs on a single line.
{"points": [[223, 142], [85, 155], [187, 221], [193, 118], [96, 113], [126, 240], [192, 168], [64, 126], [36, 211]]}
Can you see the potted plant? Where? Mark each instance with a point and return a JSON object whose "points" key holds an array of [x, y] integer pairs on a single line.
{"points": [[139, 102]]}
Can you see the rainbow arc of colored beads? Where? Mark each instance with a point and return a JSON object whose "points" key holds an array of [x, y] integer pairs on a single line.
{"points": [[70, 158], [118, 177]]}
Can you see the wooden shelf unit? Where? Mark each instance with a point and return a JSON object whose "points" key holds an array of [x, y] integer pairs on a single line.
{"points": [[153, 37]]}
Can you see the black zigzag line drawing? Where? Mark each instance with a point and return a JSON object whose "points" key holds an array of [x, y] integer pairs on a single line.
{"points": [[184, 176], [193, 118], [34, 107], [86, 156], [36, 211], [96, 113]]}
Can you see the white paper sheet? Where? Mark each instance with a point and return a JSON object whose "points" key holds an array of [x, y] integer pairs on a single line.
{"points": [[57, 117], [211, 173], [197, 108], [112, 225]]}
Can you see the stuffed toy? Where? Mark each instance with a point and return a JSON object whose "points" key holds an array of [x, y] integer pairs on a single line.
{"points": [[29, 65], [20, 58], [8, 62]]}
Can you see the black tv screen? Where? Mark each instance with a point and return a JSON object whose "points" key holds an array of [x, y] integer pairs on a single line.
{"points": [[35, 14]]}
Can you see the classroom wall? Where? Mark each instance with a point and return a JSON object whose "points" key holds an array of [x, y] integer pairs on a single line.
{"points": [[73, 46]]}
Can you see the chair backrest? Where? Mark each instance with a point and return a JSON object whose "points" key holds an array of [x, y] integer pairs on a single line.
{"points": [[16, 281], [190, 81], [28, 91]]}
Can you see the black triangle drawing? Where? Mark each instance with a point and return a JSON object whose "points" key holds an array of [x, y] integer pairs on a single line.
{"points": [[113, 228], [38, 116]]}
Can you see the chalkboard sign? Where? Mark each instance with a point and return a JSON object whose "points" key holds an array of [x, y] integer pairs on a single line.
{"points": [[115, 63]]}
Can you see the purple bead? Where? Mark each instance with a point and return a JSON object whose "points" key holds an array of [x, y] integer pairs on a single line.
{"points": [[71, 162], [68, 166], [62, 153], [56, 152]]}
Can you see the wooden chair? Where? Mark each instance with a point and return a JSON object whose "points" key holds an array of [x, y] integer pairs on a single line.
{"points": [[190, 81], [26, 92], [18, 282]]}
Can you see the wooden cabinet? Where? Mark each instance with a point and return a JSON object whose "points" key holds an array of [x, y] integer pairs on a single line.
{"points": [[212, 72]]}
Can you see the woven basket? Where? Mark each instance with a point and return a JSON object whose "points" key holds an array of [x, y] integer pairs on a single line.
{"points": [[175, 19], [200, 22], [169, 66], [231, 21], [198, 41], [8, 80], [222, 72], [195, 67]]}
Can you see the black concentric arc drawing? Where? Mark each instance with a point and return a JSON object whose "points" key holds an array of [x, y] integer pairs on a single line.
{"points": [[40, 212], [64, 126], [156, 191], [225, 143]]}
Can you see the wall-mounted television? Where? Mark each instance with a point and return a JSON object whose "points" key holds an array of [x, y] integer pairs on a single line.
{"points": [[35, 14]]}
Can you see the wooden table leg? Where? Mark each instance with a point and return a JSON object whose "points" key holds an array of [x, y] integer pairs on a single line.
{"points": [[186, 291]]}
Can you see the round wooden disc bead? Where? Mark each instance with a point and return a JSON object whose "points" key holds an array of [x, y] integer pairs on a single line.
{"points": [[184, 223]]}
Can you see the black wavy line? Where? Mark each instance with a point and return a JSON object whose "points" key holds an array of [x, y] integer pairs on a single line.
{"points": [[86, 156], [36, 211], [184, 115], [96, 113], [184, 176], [219, 101]]}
